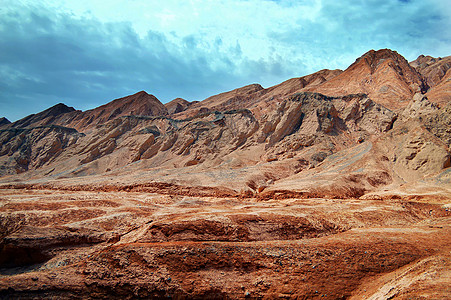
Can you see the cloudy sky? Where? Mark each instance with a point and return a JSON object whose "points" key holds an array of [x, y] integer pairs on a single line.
{"points": [[85, 53]]}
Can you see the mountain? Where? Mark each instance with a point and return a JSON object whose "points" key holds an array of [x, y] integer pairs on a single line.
{"points": [[436, 72], [46, 117], [139, 104], [251, 193], [278, 123], [432, 69], [256, 98], [441, 93], [384, 75], [4, 121], [177, 105]]}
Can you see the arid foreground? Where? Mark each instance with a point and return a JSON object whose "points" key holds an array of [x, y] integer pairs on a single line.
{"points": [[335, 185], [136, 244]]}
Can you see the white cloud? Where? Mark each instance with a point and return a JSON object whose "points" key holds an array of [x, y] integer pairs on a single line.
{"points": [[90, 51]]}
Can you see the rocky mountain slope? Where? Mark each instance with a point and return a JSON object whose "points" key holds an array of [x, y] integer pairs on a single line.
{"points": [[436, 72], [384, 75], [333, 185]]}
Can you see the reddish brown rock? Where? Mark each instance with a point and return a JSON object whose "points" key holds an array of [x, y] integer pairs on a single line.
{"points": [[432, 69], [49, 116], [384, 75]]}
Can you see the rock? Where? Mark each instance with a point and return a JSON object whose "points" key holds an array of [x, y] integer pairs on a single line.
{"points": [[26, 149], [419, 106]]}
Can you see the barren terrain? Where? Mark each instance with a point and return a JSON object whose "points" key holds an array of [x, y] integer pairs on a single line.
{"points": [[136, 244], [335, 185]]}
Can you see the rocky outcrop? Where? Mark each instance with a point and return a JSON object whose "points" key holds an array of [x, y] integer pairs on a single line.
{"points": [[360, 113], [441, 93], [256, 98], [139, 104], [437, 74], [435, 119]]}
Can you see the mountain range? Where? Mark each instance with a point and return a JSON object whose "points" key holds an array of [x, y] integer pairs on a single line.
{"points": [[291, 127], [333, 185]]}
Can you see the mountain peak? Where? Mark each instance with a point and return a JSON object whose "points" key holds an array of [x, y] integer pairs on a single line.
{"points": [[177, 105], [59, 108], [4, 121], [374, 58], [384, 75], [44, 117], [140, 93]]}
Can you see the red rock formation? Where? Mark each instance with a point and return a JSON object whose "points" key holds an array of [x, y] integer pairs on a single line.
{"points": [[432, 69], [46, 117], [384, 75]]}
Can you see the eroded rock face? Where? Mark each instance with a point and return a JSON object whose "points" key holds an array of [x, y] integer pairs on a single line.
{"points": [[25, 149], [304, 120], [435, 119], [420, 156], [46, 117], [431, 68]]}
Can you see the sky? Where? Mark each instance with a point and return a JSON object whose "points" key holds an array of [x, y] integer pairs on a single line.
{"points": [[85, 53]]}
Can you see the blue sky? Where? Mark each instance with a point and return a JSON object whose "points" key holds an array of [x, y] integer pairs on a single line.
{"points": [[85, 53]]}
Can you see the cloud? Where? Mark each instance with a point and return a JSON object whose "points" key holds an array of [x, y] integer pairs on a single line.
{"points": [[86, 53], [342, 30], [48, 57]]}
